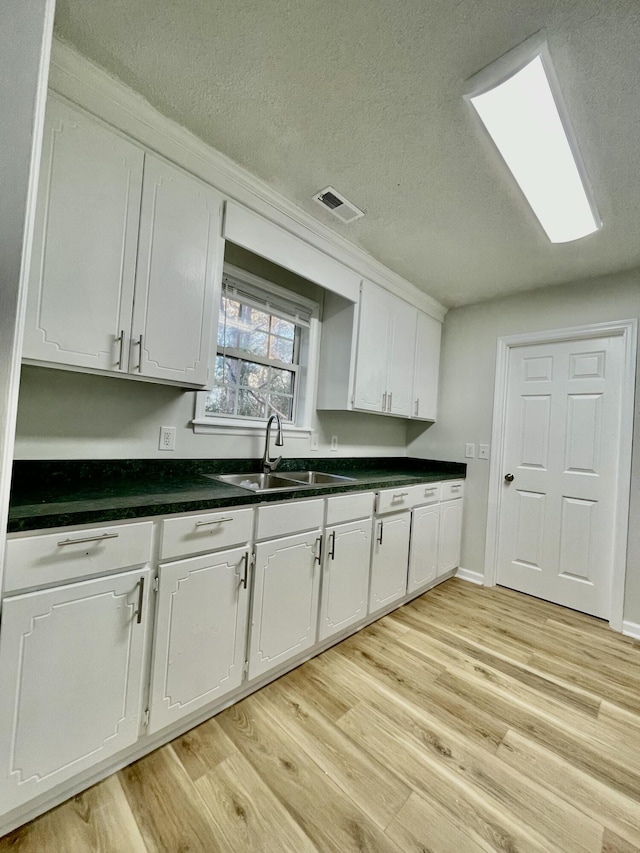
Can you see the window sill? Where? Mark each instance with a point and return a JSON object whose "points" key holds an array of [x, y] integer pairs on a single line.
{"points": [[237, 427]]}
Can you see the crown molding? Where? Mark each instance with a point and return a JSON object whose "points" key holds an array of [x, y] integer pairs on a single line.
{"points": [[89, 86]]}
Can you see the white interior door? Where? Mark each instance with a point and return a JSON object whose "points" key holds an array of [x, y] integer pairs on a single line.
{"points": [[562, 432]]}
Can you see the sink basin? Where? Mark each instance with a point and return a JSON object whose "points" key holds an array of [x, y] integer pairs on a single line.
{"points": [[255, 482], [284, 480], [316, 478]]}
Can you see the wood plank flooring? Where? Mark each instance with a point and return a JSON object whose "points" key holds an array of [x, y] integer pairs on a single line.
{"points": [[469, 720]]}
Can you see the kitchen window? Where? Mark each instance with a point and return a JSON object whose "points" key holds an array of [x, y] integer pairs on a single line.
{"points": [[265, 345]]}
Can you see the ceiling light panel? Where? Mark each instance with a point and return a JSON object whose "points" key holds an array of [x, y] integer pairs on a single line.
{"points": [[529, 126]]}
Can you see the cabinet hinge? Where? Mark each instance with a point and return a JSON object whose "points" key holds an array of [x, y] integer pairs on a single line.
{"points": [[156, 584], [245, 667], [252, 560], [145, 717]]}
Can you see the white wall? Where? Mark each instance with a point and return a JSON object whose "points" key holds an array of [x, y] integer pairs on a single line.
{"points": [[65, 415], [466, 392]]}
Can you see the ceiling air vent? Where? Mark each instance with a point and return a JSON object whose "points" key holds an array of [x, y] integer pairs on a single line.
{"points": [[338, 205]]}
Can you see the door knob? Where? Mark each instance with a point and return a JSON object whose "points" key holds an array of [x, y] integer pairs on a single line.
{"points": [[508, 478]]}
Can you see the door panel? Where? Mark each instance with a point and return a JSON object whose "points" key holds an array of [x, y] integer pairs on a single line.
{"points": [[71, 661], [562, 428], [201, 627], [83, 265], [390, 562], [345, 577], [425, 533]]}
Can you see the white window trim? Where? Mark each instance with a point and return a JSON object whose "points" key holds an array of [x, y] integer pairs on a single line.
{"points": [[203, 424]]}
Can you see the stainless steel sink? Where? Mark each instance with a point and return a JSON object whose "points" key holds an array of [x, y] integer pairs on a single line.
{"points": [[284, 480], [255, 482], [316, 478]]}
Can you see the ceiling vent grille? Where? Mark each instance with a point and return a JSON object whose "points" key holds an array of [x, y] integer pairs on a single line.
{"points": [[338, 205]]}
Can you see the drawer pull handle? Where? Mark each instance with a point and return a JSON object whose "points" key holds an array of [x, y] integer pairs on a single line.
{"points": [[214, 521], [400, 495], [318, 557], [332, 547], [89, 539], [140, 600], [245, 574], [381, 531]]}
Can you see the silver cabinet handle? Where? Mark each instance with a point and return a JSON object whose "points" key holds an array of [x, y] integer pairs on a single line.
{"points": [[318, 557], [120, 340], [332, 547], [213, 521], [400, 495], [390, 399], [384, 402], [381, 531], [139, 344], [245, 574], [89, 539], [417, 406], [140, 600]]}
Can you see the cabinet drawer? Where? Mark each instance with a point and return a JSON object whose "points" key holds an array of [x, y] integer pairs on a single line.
{"points": [[73, 554], [193, 534], [390, 500], [451, 489], [281, 519], [425, 493], [349, 507]]}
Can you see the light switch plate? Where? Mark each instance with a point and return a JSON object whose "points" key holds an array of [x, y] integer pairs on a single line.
{"points": [[483, 451], [334, 442], [469, 451]]}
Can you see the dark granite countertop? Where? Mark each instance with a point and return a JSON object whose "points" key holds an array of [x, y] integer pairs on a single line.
{"points": [[56, 493]]}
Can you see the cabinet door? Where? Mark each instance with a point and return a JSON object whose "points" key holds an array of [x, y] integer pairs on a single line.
{"points": [[71, 661], [426, 368], [284, 616], [83, 264], [423, 562], [373, 340], [345, 577], [179, 267], [450, 536], [201, 631], [390, 560], [402, 337]]}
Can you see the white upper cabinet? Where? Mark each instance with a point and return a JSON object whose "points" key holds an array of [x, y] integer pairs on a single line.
{"points": [[368, 355], [179, 261], [127, 255], [84, 254], [370, 386], [426, 368]]}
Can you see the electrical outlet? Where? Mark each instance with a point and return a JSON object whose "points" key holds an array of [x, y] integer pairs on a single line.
{"points": [[167, 438], [469, 451], [334, 442], [483, 451], [313, 442]]}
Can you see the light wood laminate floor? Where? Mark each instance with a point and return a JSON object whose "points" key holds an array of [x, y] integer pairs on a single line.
{"points": [[469, 720]]}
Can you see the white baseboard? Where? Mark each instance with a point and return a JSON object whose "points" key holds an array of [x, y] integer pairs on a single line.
{"points": [[472, 577], [631, 629]]}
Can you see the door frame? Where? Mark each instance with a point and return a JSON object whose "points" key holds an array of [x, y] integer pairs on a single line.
{"points": [[628, 330]]}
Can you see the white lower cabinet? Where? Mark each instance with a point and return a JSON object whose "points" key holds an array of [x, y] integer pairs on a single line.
{"points": [[389, 560], [450, 536], [200, 639], [71, 668], [345, 577], [425, 537], [286, 585]]}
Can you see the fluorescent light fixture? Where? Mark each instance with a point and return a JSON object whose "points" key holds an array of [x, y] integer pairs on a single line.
{"points": [[519, 102]]}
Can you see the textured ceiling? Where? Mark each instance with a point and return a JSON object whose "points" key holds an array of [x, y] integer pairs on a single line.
{"points": [[366, 95]]}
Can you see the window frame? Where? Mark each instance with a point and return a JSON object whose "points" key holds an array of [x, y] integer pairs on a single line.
{"points": [[306, 370]]}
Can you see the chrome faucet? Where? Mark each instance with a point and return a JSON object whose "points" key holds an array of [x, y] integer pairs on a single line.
{"points": [[269, 465]]}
